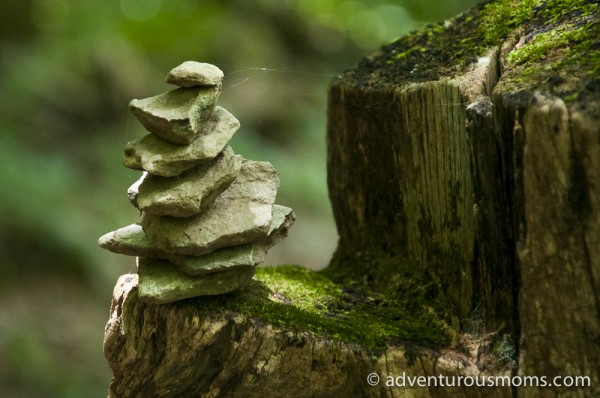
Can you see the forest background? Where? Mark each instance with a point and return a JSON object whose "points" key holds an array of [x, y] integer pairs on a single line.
{"points": [[67, 72]]}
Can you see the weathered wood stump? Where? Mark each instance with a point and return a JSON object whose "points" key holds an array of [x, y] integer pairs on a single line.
{"points": [[271, 340], [464, 174]]}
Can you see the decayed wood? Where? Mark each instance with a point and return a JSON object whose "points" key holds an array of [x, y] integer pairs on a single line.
{"points": [[183, 350], [414, 171], [531, 229], [559, 254], [490, 187]]}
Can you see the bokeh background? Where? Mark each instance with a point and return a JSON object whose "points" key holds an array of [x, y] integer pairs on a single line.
{"points": [[68, 69]]}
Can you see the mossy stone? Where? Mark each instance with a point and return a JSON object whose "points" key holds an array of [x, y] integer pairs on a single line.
{"points": [[160, 282], [162, 158], [189, 193], [240, 215], [178, 115]]}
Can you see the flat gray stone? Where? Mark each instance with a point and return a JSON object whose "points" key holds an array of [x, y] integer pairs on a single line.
{"points": [[162, 158], [192, 73], [131, 241], [160, 282], [238, 256], [188, 193], [242, 214], [178, 115], [283, 219]]}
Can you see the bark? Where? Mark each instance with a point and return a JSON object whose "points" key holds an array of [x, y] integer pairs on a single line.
{"points": [[460, 157]]}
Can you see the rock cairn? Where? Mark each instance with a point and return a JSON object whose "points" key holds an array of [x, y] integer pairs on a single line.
{"points": [[207, 215]]}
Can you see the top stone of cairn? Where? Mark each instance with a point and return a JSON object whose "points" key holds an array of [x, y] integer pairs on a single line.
{"points": [[192, 74]]}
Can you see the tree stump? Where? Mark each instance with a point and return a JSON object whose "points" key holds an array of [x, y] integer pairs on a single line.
{"points": [[463, 169]]}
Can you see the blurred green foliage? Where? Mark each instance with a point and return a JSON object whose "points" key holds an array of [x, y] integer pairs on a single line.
{"points": [[67, 72]]}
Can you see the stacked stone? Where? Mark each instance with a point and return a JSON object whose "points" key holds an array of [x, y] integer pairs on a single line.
{"points": [[207, 215]]}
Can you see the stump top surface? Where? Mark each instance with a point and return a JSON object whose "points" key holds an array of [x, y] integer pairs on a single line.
{"points": [[547, 45]]}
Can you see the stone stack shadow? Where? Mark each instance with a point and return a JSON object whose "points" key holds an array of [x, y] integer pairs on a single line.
{"points": [[207, 215]]}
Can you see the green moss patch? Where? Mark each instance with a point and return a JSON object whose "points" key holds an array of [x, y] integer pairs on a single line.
{"points": [[500, 18], [446, 49], [558, 51], [292, 297]]}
